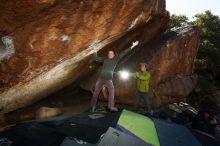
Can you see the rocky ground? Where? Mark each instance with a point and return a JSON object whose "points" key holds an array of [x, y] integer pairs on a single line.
{"points": [[69, 101]]}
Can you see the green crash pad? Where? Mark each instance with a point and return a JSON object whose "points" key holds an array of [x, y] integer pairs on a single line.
{"points": [[140, 125]]}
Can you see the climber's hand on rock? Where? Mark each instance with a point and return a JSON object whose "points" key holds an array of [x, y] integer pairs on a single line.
{"points": [[134, 44], [95, 52]]}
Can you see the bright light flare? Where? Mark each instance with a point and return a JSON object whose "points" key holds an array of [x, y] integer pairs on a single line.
{"points": [[124, 75]]}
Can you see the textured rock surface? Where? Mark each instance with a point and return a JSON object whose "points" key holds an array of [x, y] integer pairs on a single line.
{"points": [[48, 32], [175, 88], [170, 55], [53, 39]]}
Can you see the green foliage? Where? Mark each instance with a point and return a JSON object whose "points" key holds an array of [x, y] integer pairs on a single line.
{"points": [[210, 26], [213, 57], [178, 21], [210, 36]]}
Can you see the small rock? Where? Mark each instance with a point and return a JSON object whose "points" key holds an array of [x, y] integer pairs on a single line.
{"points": [[46, 112]]}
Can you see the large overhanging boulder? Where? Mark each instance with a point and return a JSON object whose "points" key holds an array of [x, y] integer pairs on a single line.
{"points": [[171, 58], [50, 46]]}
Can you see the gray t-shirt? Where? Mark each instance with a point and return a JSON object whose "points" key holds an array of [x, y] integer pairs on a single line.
{"points": [[109, 65]]}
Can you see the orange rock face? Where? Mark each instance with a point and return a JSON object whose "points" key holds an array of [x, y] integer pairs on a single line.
{"points": [[46, 32], [50, 41]]}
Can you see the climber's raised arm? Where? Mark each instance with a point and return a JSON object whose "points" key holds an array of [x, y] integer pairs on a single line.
{"points": [[123, 53], [97, 58]]}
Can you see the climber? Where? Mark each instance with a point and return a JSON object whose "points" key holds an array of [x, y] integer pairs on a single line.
{"points": [[143, 78], [105, 78]]}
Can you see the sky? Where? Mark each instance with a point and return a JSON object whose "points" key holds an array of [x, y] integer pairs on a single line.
{"points": [[192, 7]]}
